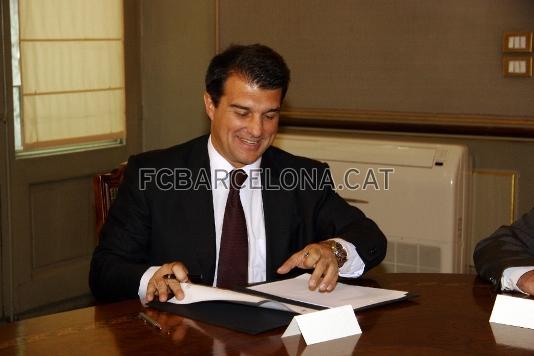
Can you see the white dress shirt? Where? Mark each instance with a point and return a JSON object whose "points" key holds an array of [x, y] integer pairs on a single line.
{"points": [[252, 201]]}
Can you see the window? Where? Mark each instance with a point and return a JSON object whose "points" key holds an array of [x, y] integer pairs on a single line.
{"points": [[68, 73]]}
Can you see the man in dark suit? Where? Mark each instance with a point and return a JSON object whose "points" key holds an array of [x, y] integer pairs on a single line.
{"points": [[506, 258], [180, 213]]}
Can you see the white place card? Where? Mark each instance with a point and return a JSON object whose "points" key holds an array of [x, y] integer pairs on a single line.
{"points": [[296, 346], [521, 338], [513, 311], [324, 325]]}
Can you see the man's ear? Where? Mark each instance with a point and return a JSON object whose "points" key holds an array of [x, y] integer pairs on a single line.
{"points": [[209, 105]]}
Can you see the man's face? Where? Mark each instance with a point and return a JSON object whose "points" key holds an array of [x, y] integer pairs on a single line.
{"points": [[245, 122]]}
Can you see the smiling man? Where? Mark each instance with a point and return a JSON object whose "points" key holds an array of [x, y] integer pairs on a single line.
{"points": [[213, 210], [245, 121]]}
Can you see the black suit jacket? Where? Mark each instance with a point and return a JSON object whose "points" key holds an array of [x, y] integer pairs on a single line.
{"points": [[509, 246], [153, 226]]}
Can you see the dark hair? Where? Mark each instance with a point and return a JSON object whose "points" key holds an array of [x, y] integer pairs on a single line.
{"points": [[256, 63]]}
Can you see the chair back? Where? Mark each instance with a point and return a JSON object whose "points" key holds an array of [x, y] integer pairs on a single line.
{"points": [[105, 187]]}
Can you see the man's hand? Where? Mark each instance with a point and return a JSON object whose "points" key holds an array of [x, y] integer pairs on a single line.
{"points": [[319, 257], [159, 286], [526, 282]]}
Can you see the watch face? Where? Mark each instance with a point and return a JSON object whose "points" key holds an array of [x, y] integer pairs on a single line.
{"points": [[340, 253], [338, 250]]}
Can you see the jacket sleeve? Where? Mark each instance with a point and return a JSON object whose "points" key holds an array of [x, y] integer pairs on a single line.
{"points": [[509, 246], [120, 259], [337, 218]]}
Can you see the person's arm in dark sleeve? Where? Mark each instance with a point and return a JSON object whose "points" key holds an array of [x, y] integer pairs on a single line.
{"points": [[337, 218], [333, 219], [120, 259], [509, 246]]}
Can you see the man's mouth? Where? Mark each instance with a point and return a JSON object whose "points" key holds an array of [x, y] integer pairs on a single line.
{"points": [[249, 141]]}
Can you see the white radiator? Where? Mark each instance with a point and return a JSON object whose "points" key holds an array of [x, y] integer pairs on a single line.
{"points": [[423, 212]]}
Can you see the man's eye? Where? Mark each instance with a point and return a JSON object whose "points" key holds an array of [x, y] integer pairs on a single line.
{"points": [[270, 116], [242, 113]]}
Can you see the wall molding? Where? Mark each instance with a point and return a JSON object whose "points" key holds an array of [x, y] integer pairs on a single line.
{"points": [[462, 124]]}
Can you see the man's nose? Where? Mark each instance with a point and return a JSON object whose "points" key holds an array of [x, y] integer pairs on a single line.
{"points": [[255, 126]]}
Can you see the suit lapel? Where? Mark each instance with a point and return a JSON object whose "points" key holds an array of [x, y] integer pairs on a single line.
{"points": [[201, 213], [277, 211]]}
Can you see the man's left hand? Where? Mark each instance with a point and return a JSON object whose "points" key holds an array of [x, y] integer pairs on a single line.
{"points": [[526, 282], [319, 257]]}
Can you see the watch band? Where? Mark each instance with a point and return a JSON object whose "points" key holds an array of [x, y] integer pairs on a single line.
{"points": [[338, 250]]}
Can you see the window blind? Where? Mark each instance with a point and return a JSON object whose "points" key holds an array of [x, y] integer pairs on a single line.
{"points": [[72, 71]]}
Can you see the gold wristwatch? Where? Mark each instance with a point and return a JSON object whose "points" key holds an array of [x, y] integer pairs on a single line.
{"points": [[338, 250]]}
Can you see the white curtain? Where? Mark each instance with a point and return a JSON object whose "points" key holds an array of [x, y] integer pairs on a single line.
{"points": [[72, 70]]}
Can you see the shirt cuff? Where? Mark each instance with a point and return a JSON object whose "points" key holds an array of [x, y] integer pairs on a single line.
{"points": [[354, 266], [511, 275], [143, 284]]}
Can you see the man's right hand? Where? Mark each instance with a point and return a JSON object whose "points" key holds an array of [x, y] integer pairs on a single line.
{"points": [[159, 286], [526, 282]]}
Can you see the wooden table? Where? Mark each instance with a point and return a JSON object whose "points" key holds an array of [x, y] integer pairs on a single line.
{"points": [[450, 316]]}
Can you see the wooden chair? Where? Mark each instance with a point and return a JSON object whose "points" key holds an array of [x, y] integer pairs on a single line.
{"points": [[105, 187]]}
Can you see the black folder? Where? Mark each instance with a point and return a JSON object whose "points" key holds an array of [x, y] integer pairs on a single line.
{"points": [[239, 317], [247, 318]]}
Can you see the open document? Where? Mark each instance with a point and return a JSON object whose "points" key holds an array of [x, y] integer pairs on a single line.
{"points": [[296, 289], [293, 295], [195, 293]]}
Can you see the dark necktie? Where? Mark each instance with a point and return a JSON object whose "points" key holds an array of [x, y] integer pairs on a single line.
{"points": [[233, 252]]}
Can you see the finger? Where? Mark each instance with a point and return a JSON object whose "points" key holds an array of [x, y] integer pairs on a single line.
{"points": [[155, 285], [329, 277], [162, 289], [176, 288], [150, 291], [320, 268], [292, 262], [312, 257], [168, 282], [180, 271]]}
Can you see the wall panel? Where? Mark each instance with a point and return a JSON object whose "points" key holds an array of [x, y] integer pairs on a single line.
{"points": [[426, 64]]}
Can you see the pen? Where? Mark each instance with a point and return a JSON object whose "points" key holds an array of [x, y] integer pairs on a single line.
{"points": [[149, 320]]}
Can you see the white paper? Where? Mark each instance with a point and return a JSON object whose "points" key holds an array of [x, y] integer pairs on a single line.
{"points": [[195, 293], [294, 289], [297, 289], [324, 325], [513, 311]]}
